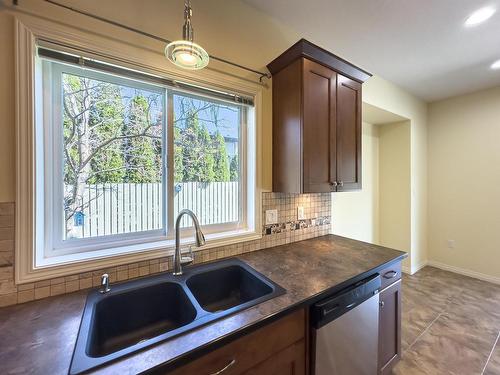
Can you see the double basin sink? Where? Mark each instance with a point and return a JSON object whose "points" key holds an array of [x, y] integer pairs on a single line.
{"points": [[143, 312]]}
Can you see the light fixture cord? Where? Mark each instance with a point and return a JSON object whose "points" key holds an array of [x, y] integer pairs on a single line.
{"points": [[187, 29]]}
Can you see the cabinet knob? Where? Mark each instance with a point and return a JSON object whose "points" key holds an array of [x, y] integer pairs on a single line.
{"points": [[334, 183], [341, 183]]}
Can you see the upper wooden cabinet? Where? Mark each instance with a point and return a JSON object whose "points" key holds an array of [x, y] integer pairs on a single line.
{"points": [[316, 121]]}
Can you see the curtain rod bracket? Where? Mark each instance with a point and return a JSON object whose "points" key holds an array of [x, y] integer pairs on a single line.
{"points": [[267, 75]]}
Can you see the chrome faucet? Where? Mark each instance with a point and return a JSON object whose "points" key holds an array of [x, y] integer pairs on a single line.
{"points": [[179, 261], [105, 284]]}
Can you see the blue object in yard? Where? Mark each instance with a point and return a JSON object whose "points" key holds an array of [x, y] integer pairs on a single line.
{"points": [[178, 188], [79, 218]]}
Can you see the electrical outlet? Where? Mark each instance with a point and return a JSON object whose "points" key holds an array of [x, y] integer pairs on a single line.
{"points": [[300, 213], [271, 217], [451, 244]]}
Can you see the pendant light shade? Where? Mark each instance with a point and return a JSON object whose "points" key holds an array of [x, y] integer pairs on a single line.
{"points": [[185, 53]]}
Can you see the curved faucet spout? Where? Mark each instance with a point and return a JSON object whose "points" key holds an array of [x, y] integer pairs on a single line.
{"points": [[199, 238]]}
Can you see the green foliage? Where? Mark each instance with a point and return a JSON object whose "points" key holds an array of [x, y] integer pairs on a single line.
{"points": [[139, 152], [234, 170], [221, 158], [106, 118], [198, 156]]}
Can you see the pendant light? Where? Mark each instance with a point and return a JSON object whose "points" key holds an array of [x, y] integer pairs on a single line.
{"points": [[185, 53]]}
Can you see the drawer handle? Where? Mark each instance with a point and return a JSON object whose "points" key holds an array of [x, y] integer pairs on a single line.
{"points": [[226, 367], [390, 274]]}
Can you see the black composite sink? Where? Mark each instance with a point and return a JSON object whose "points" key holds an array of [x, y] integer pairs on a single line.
{"points": [[224, 288], [125, 319], [143, 312]]}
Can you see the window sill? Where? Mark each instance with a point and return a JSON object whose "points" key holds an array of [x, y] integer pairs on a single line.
{"points": [[65, 265]]}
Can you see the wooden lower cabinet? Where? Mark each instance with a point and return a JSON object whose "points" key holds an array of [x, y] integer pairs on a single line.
{"points": [[276, 349], [290, 361], [390, 327]]}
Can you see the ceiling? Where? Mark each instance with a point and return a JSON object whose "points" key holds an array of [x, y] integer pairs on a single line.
{"points": [[422, 46], [377, 116]]}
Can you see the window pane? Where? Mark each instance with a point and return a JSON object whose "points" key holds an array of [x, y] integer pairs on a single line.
{"points": [[207, 175], [112, 154]]}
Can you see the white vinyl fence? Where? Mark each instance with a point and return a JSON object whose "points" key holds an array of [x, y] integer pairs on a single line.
{"points": [[125, 208]]}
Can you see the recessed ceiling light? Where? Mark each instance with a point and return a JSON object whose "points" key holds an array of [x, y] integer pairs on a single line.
{"points": [[495, 65], [479, 16]]}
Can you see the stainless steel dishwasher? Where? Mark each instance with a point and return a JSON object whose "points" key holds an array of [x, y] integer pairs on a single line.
{"points": [[345, 330]]}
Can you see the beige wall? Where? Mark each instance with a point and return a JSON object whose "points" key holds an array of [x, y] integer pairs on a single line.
{"points": [[464, 181], [381, 212], [356, 214], [7, 150], [394, 185], [385, 95]]}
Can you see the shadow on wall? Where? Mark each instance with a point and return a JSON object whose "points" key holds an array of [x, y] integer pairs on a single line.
{"points": [[381, 212]]}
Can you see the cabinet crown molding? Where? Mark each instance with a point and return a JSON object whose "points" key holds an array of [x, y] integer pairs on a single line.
{"points": [[304, 48]]}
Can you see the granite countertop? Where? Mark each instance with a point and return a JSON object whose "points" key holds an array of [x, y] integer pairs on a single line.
{"points": [[39, 337]]}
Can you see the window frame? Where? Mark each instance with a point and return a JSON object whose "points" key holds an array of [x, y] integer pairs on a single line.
{"points": [[53, 168], [30, 265]]}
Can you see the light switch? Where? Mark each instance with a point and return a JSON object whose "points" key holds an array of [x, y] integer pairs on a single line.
{"points": [[271, 217], [300, 213]]}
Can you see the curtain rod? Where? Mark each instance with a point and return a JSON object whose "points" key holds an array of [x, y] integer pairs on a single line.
{"points": [[149, 35]]}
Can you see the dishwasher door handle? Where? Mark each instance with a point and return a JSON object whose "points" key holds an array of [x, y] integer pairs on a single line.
{"points": [[351, 305]]}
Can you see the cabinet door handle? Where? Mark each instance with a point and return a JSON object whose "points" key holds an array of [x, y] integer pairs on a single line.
{"points": [[226, 367], [334, 183], [341, 183], [381, 304], [390, 274]]}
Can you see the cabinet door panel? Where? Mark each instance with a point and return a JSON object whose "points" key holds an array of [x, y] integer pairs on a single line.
{"points": [[319, 127], [390, 327], [250, 350], [290, 361], [348, 134]]}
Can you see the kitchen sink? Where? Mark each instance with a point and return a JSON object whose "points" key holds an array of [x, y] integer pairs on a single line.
{"points": [[224, 288], [126, 319], [139, 313]]}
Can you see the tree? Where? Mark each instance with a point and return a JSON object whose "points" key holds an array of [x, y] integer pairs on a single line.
{"points": [[178, 156], [97, 145], [221, 169], [194, 151], [234, 169], [139, 152], [106, 118]]}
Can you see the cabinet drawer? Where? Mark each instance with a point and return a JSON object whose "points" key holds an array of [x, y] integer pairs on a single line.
{"points": [[249, 350], [390, 274]]}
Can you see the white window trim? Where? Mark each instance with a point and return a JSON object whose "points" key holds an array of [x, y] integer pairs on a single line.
{"points": [[28, 30]]}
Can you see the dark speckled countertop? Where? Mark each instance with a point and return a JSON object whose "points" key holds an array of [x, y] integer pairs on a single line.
{"points": [[39, 337]]}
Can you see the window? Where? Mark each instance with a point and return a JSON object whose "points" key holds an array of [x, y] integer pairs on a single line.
{"points": [[120, 153]]}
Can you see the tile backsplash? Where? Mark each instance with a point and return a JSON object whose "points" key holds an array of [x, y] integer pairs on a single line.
{"points": [[316, 222]]}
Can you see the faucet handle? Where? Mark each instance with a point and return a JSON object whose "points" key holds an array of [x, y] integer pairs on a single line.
{"points": [[105, 284], [187, 259]]}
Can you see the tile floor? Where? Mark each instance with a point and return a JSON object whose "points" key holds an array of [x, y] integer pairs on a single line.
{"points": [[450, 325]]}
